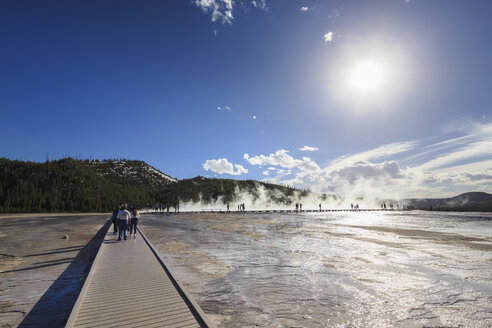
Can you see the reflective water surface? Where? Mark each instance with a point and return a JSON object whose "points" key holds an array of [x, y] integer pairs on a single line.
{"points": [[338, 269]]}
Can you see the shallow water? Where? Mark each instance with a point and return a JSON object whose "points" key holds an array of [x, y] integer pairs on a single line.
{"points": [[338, 269]]}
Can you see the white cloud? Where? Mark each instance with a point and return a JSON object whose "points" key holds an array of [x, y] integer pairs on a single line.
{"points": [[254, 117], [308, 148], [223, 166], [220, 9], [227, 108], [259, 4], [461, 163], [328, 36], [304, 9], [283, 159], [215, 32], [279, 158]]}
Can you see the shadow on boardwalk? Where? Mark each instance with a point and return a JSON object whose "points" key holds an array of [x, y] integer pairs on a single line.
{"points": [[54, 307]]}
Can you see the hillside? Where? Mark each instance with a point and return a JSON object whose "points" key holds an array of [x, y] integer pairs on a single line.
{"points": [[470, 201], [100, 185], [76, 185]]}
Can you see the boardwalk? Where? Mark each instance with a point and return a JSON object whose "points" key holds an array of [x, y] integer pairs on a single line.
{"points": [[235, 211], [129, 286]]}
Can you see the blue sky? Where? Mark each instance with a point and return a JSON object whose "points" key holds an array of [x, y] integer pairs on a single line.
{"points": [[390, 97]]}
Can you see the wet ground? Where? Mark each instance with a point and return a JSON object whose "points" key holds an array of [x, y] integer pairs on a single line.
{"points": [[41, 272], [349, 269]]}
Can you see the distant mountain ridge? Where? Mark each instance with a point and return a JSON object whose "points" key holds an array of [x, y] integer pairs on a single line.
{"points": [[472, 201]]}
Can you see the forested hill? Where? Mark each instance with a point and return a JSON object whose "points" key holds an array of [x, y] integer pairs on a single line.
{"points": [[99, 185]]}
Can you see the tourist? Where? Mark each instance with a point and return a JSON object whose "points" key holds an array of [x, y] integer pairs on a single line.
{"points": [[123, 219], [228, 208], [320, 207], [114, 221], [134, 222]]}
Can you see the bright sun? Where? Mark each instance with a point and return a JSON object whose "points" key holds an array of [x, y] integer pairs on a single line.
{"points": [[368, 77]]}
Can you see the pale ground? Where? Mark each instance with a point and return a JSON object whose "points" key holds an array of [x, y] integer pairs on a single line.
{"points": [[41, 272]]}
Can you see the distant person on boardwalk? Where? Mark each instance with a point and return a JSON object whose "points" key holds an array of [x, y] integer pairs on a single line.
{"points": [[114, 221], [320, 207], [124, 218], [135, 217], [228, 208], [300, 206]]}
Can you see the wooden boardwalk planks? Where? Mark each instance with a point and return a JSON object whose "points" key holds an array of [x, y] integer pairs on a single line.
{"points": [[130, 286]]}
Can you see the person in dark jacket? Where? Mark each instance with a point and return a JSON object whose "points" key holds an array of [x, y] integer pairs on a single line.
{"points": [[134, 220], [113, 220]]}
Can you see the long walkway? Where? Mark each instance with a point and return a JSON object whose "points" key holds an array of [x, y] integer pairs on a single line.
{"points": [[130, 286]]}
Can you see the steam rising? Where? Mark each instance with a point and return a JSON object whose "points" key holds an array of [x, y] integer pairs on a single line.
{"points": [[262, 198]]}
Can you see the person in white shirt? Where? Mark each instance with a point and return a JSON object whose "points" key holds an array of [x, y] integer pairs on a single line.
{"points": [[123, 219], [135, 217]]}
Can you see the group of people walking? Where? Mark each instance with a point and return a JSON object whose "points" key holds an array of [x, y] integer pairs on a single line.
{"points": [[125, 220]]}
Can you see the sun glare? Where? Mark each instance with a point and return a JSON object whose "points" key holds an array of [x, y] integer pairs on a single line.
{"points": [[367, 77]]}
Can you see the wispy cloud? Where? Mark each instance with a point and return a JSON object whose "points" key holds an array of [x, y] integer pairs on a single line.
{"points": [[226, 108], [304, 9], [334, 14], [259, 4], [471, 151], [219, 9], [223, 166], [379, 152], [308, 148]]}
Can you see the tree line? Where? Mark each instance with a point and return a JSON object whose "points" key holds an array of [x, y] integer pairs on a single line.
{"points": [[75, 185]]}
